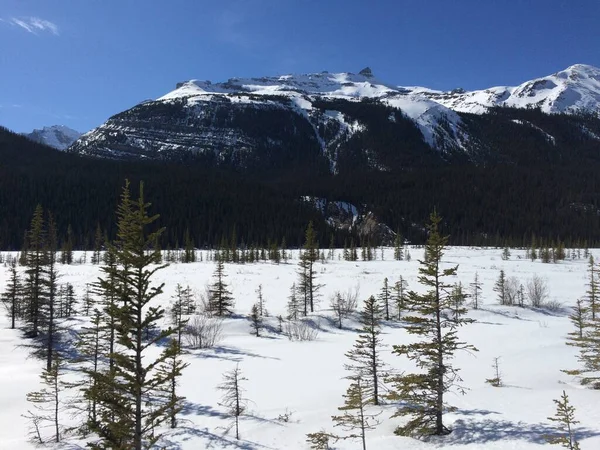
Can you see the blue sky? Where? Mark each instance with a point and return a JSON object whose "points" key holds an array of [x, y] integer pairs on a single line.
{"points": [[77, 62]]}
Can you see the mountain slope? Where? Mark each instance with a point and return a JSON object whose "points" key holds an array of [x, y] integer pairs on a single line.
{"points": [[59, 137], [335, 123]]}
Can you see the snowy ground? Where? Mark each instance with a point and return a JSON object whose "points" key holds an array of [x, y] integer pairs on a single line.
{"points": [[306, 378]]}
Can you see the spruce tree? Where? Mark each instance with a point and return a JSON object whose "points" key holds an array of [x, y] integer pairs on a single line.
{"points": [[592, 292], [170, 370], [500, 288], [256, 320], [47, 402], [565, 419], [97, 245], [127, 418], [233, 399], [179, 311], [12, 296], [398, 244], [422, 393], [355, 417], [307, 284], [476, 291], [365, 358], [294, 308], [49, 305], [400, 294], [36, 260], [385, 298], [262, 309], [220, 301]]}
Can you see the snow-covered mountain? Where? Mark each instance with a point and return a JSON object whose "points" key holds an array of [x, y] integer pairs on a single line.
{"points": [[56, 136], [340, 118], [574, 89]]}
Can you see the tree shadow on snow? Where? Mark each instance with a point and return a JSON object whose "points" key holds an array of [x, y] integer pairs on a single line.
{"points": [[474, 431], [228, 353], [176, 440]]}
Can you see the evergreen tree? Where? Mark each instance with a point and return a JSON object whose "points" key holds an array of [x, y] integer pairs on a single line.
{"points": [[294, 308], [49, 305], [97, 245], [47, 402], [69, 301], [400, 291], [170, 370], [458, 302], [307, 284], [398, 244], [12, 296], [579, 318], [66, 256], [233, 396], [565, 419], [178, 311], [475, 291], [92, 349], [256, 320], [385, 298], [422, 394], [127, 418], [36, 261], [262, 310], [592, 292], [355, 417], [189, 254], [500, 288], [220, 301], [496, 380], [365, 358]]}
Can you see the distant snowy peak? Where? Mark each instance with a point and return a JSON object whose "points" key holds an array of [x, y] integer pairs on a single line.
{"points": [[574, 89], [324, 84], [56, 136]]}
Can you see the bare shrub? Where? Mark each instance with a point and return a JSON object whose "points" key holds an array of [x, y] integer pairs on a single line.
{"points": [[343, 305], [301, 330], [537, 291], [512, 291], [553, 305], [203, 331]]}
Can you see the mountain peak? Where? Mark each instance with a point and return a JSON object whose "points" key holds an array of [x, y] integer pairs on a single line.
{"points": [[59, 137]]}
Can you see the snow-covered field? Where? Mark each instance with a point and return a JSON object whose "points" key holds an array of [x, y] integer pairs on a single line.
{"points": [[305, 379]]}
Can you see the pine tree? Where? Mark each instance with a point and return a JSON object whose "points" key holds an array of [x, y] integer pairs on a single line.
{"points": [[422, 394], [365, 359], [66, 256], [475, 291], [189, 254], [256, 320], [12, 296], [355, 417], [47, 401], [565, 418], [126, 417], [220, 300], [506, 254], [500, 288], [233, 399], [88, 300], [69, 301], [385, 298]]}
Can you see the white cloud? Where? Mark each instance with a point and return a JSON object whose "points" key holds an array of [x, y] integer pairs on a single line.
{"points": [[33, 24]]}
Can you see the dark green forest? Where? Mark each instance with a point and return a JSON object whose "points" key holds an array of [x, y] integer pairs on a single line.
{"points": [[514, 185]]}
